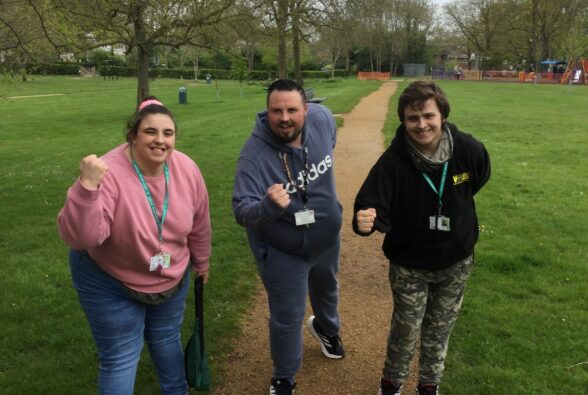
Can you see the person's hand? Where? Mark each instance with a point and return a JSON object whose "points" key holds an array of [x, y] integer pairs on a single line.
{"points": [[204, 276], [279, 195], [92, 171], [365, 220]]}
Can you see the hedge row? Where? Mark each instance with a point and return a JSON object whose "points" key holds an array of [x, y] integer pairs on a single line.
{"points": [[186, 73], [54, 69]]}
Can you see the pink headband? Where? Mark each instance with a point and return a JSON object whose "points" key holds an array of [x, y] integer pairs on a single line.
{"points": [[149, 102]]}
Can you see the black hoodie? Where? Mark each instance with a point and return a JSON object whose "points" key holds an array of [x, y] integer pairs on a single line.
{"points": [[404, 203]]}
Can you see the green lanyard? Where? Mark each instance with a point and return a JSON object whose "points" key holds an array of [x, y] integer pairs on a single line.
{"points": [[441, 185], [158, 221]]}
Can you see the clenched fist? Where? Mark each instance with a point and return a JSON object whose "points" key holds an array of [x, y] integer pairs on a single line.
{"points": [[277, 194], [92, 171], [365, 220]]}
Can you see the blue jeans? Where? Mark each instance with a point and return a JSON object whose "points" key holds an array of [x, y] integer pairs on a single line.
{"points": [[119, 324]]}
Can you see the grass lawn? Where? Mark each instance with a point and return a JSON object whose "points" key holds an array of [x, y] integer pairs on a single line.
{"points": [[45, 341], [522, 329]]}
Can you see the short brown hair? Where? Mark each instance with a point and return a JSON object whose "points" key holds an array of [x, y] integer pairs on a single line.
{"points": [[417, 93], [286, 85], [140, 114]]}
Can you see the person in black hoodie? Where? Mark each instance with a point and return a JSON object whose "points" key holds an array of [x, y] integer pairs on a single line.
{"points": [[284, 194], [420, 193]]}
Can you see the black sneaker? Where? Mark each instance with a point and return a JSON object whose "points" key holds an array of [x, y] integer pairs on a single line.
{"points": [[331, 345], [389, 387], [282, 387], [427, 389]]}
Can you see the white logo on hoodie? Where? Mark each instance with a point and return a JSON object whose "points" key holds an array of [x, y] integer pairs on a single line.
{"points": [[314, 172]]}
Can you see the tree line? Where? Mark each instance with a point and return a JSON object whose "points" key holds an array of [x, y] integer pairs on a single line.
{"points": [[371, 35]]}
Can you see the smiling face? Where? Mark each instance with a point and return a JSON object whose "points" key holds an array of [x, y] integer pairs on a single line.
{"points": [[424, 126], [154, 142], [286, 112]]}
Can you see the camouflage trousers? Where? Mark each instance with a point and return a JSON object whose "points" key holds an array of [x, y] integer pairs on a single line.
{"points": [[427, 302]]}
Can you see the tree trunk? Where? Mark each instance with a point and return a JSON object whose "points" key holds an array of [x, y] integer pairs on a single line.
{"points": [[143, 51], [296, 45], [22, 66], [282, 22], [142, 73], [296, 54], [250, 58], [195, 62], [532, 54]]}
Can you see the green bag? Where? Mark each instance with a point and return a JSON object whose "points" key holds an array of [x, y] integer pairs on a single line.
{"points": [[195, 357]]}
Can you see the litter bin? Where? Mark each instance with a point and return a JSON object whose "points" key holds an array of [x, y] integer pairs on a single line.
{"points": [[208, 79], [183, 95]]}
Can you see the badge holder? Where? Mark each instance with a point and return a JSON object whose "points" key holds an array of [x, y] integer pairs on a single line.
{"points": [[304, 217], [159, 261], [439, 222]]}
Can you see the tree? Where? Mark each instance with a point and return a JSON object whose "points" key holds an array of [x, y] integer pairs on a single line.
{"points": [[142, 25], [576, 42], [239, 72], [25, 33], [334, 38], [247, 28], [392, 29], [480, 22]]}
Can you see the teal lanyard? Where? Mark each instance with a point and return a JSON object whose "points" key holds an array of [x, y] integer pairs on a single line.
{"points": [[441, 185], [158, 221]]}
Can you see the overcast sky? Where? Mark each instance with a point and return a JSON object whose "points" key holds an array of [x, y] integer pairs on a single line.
{"points": [[441, 2]]}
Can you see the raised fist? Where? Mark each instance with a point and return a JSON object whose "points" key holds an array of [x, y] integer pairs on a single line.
{"points": [[279, 195], [365, 220], [92, 171]]}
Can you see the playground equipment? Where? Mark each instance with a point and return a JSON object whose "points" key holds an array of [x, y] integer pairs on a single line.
{"points": [[576, 72]]}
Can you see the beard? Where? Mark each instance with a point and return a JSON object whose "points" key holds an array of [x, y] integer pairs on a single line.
{"points": [[288, 137]]}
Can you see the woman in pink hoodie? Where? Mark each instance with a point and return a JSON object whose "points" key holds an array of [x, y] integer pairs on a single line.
{"points": [[136, 220]]}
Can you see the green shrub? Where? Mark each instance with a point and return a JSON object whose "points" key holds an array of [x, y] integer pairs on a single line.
{"points": [[54, 69]]}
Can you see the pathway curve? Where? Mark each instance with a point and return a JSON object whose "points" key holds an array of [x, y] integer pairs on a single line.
{"points": [[365, 297]]}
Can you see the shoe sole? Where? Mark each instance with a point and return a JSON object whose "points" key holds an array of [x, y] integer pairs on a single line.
{"points": [[273, 391], [318, 339]]}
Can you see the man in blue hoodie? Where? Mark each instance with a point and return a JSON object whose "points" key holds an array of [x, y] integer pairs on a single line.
{"points": [[284, 194]]}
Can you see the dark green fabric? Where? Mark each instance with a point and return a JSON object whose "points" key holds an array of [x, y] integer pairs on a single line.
{"points": [[195, 356]]}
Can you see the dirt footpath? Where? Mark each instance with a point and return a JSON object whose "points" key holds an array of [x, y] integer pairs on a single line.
{"points": [[365, 296]]}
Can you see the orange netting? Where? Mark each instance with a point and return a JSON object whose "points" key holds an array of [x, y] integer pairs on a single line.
{"points": [[373, 75]]}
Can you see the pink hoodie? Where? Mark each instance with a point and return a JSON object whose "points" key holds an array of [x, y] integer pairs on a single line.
{"points": [[115, 224]]}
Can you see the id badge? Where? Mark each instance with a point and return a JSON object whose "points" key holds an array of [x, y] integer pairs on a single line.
{"points": [[304, 217], [159, 261], [443, 223], [439, 222]]}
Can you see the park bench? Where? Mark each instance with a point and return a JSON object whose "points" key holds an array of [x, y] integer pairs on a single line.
{"points": [[310, 98]]}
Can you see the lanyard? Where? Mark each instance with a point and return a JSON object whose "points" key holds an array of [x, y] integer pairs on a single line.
{"points": [[305, 174], [441, 185], [158, 221]]}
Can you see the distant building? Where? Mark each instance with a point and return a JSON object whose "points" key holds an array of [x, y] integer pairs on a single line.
{"points": [[442, 58], [67, 57], [116, 49]]}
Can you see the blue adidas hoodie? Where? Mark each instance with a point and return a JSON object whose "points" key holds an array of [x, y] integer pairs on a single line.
{"points": [[260, 166]]}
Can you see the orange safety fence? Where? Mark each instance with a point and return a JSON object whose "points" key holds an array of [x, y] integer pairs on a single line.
{"points": [[472, 75], [373, 75]]}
